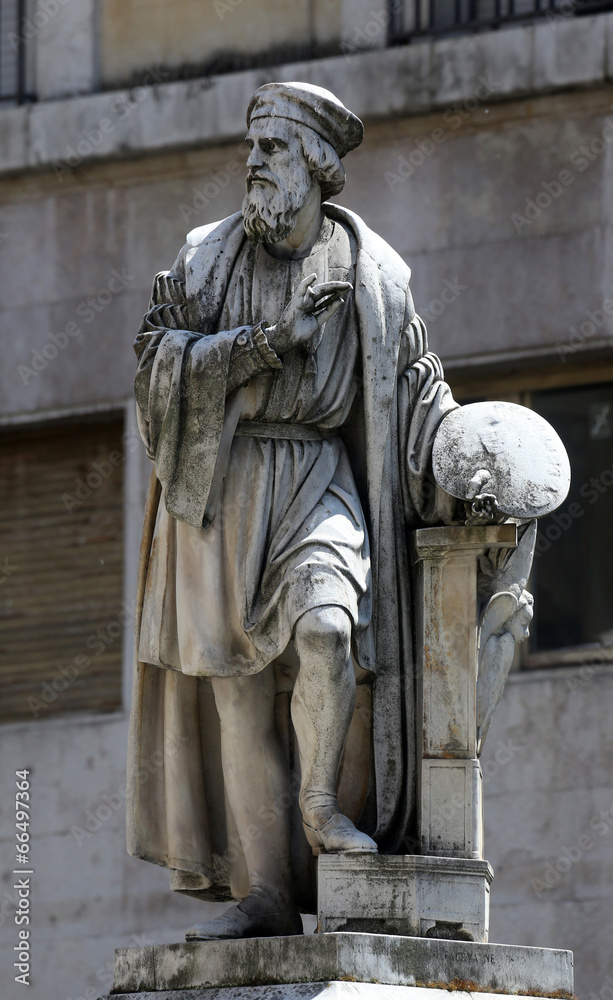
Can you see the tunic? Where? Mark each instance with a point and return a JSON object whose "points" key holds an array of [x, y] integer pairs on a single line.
{"points": [[189, 367], [289, 533]]}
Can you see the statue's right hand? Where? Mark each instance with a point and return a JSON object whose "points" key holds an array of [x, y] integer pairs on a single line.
{"points": [[306, 312]]}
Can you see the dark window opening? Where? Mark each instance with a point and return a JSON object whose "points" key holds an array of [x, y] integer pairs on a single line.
{"points": [[13, 41], [61, 569], [411, 18], [572, 577]]}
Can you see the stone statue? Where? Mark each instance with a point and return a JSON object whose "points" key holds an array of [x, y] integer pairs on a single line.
{"points": [[289, 402]]}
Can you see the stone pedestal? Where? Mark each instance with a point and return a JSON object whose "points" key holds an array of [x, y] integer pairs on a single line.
{"points": [[370, 966], [404, 894], [446, 559], [392, 927]]}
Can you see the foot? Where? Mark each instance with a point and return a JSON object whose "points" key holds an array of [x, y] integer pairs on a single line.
{"points": [[338, 835], [258, 915]]}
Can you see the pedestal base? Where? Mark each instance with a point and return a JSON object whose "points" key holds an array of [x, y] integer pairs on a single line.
{"points": [[313, 991], [289, 966], [404, 894]]}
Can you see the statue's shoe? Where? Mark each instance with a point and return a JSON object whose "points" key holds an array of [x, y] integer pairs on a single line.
{"points": [[339, 836], [251, 918]]}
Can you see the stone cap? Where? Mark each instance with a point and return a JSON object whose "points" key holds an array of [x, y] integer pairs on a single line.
{"points": [[436, 543]]}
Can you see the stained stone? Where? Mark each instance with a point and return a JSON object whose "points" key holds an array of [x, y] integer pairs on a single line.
{"points": [[256, 607], [358, 958], [404, 894], [522, 460], [309, 991]]}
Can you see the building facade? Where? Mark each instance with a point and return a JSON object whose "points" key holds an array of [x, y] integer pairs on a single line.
{"points": [[487, 164]]}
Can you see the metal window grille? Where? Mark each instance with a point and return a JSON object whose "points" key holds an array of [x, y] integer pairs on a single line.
{"points": [[409, 18], [12, 52]]}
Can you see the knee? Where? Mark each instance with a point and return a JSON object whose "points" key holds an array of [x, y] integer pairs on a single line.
{"points": [[326, 630], [239, 699]]}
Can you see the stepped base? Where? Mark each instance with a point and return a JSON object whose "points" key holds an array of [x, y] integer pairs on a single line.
{"points": [[267, 968], [404, 894], [311, 991]]}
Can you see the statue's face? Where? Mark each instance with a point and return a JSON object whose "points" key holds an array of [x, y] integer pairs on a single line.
{"points": [[278, 180]]}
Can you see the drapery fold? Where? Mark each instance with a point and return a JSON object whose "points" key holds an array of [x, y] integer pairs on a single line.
{"points": [[389, 440]]}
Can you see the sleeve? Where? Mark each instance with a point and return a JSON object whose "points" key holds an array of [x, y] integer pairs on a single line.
{"points": [[250, 353], [183, 381], [424, 399]]}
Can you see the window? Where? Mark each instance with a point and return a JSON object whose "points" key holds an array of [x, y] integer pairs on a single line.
{"points": [[415, 17], [12, 51], [572, 576], [61, 569]]}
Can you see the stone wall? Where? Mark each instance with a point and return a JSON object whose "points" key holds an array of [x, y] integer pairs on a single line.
{"points": [[81, 235], [458, 194], [136, 36], [548, 791]]}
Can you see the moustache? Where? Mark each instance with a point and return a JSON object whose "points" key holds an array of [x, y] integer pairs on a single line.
{"points": [[255, 176]]}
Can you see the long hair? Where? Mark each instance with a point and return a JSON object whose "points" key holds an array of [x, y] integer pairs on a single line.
{"points": [[323, 162]]}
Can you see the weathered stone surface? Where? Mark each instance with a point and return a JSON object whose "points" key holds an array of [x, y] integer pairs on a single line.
{"points": [[448, 653], [451, 814], [309, 991], [522, 460], [409, 79], [409, 895], [374, 958], [135, 968], [548, 795], [451, 823]]}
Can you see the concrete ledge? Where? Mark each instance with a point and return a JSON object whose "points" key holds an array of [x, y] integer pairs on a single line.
{"points": [[405, 80], [310, 991], [358, 958]]}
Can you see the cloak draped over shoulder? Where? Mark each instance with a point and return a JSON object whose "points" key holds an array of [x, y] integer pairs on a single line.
{"points": [[188, 409]]}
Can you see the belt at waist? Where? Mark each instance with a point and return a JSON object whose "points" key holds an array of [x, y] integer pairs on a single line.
{"points": [[292, 432]]}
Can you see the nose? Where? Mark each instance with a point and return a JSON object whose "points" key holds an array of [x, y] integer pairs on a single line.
{"points": [[255, 158]]}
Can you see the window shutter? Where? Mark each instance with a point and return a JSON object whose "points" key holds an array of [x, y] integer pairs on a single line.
{"points": [[61, 569]]}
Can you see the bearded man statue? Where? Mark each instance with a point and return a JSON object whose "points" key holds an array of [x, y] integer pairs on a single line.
{"points": [[289, 403]]}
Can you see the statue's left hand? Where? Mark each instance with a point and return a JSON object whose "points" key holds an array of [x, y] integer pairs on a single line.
{"points": [[483, 509]]}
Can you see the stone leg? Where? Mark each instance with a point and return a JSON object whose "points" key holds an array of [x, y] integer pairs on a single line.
{"points": [[257, 784], [322, 709]]}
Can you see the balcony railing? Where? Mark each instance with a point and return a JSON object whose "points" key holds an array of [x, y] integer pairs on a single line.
{"points": [[411, 18], [12, 52]]}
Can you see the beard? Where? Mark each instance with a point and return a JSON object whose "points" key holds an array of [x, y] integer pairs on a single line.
{"points": [[270, 211]]}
